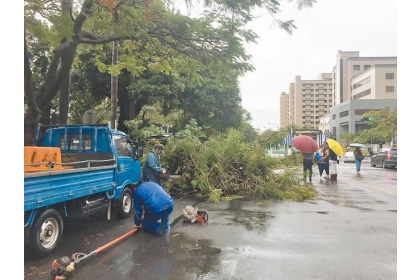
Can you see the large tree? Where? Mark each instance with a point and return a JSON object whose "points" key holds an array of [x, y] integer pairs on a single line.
{"points": [[150, 34]]}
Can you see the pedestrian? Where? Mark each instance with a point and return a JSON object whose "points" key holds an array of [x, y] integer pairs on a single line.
{"points": [[333, 164], [325, 159], [358, 157], [317, 159], [370, 152], [152, 207], [152, 170], [308, 161]]}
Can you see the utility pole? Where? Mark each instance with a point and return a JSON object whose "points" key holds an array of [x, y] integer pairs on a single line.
{"points": [[114, 87], [371, 126]]}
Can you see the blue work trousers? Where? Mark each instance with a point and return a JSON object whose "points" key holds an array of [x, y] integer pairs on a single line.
{"points": [[157, 223]]}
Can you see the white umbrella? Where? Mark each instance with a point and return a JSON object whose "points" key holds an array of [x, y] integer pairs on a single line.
{"points": [[357, 145]]}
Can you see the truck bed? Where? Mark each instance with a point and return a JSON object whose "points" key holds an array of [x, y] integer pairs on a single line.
{"points": [[55, 186]]}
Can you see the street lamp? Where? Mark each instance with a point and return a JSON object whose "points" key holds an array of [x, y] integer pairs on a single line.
{"points": [[371, 126], [278, 126]]}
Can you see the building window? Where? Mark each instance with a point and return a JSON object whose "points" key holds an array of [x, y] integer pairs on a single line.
{"points": [[389, 76], [362, 82], [365, 67], [389, 89], [359, 112], [356, 67], [344, 114], [361, 94], [333, 117]]}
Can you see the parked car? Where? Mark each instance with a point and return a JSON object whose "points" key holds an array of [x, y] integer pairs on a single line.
{"points": [[348, 157], [387, 157]]}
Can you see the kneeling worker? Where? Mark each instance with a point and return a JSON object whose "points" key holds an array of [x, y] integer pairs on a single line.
{"points": [[152, 207]]}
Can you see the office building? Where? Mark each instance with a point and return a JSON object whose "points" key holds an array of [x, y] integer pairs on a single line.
{"points": [[348, 66]]}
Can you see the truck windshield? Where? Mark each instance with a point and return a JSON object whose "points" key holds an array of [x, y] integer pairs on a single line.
{"points": [[124, 148]]}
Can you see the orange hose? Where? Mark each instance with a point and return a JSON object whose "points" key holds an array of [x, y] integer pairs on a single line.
{"points": [[99, 249]]}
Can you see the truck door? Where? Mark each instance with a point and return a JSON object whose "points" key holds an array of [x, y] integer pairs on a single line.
{"points": [[129, 168]]}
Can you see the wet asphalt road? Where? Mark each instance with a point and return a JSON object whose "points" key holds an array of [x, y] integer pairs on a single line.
{"points": [[348, 232]]}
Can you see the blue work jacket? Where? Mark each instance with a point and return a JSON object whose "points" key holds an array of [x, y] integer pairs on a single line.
{"points": [[152, 167], [152, 198]]}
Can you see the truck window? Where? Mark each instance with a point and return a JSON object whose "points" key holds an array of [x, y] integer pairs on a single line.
{"points": [[72, 142], [123, 146]]}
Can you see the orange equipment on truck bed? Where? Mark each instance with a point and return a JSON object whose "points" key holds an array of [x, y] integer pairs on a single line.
{"points": [[38, 159]]}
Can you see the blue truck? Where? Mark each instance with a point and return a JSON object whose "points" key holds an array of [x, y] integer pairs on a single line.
{"points": [[72, 172]]}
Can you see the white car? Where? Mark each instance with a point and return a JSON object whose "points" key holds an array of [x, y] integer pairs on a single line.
{"points": [[348, 157], [276, 153]]}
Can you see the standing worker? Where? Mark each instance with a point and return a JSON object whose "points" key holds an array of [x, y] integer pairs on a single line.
{"points": [[152, 170], [358, 157], [152, 207]]}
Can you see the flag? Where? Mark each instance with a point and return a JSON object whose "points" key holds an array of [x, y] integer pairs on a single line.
{"points": [[321, 139], [287, 141]]}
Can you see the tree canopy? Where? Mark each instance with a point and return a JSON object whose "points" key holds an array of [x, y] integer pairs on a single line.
{"points": [[150, 36]]}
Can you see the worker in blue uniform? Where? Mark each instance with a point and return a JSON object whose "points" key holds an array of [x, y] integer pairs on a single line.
{"points": [[152, 207], [152, 170]]}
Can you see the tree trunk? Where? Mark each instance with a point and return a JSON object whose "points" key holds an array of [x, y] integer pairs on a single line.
{"points": [[114, 87], [58, 71], [64, 101], [32, 113]]}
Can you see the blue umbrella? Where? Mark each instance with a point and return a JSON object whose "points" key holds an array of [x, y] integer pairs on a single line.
{"points": [[357, 145]]}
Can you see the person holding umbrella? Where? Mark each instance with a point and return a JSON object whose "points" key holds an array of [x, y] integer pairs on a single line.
{"points": [[307, 146], [308, 161], [333, 165], [358, 157], [334, 151]]}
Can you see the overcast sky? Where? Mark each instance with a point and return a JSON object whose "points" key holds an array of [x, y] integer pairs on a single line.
{"points": [[367, 26]]}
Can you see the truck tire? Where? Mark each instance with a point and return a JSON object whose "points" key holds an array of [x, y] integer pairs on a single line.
{"points": [[125, 204], [46, 233]]}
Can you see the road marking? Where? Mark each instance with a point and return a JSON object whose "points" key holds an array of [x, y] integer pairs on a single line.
{"points": [[376, 187], [388, 191]]}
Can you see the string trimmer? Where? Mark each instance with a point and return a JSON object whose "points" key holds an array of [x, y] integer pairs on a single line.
{"points": [[64, 266]]}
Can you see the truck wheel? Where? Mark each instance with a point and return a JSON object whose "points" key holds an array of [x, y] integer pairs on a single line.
{"points": [[125, 204], [46, 233]]}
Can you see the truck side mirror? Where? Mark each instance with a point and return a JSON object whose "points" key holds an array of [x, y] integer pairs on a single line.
{"points": [[139, 153]]}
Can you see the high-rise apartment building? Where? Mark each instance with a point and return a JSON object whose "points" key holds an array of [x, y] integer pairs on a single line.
{"points": [[310, 100], [284, 110]]}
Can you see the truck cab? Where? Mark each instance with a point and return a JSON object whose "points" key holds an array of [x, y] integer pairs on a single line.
{"points": [[98, 144]]}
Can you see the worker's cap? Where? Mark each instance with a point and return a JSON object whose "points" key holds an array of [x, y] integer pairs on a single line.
{"points": [[160, 147]]}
